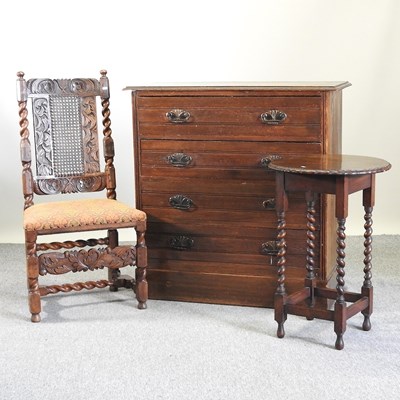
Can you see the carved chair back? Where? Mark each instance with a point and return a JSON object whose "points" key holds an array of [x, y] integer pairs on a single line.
{"points": [[65, 132]]}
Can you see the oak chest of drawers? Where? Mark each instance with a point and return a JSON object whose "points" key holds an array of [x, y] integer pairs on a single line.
{"points": [[201, 168]]}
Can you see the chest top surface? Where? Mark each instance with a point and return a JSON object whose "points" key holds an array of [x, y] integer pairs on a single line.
{"points": [[259, 86]]}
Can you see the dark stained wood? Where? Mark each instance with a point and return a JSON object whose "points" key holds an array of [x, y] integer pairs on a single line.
{"points": [[259, 133], [65, 155], [340, 175], [210, 146], [240, 88], [208, 158], [220, 109], [246, 290], [339, 164]]}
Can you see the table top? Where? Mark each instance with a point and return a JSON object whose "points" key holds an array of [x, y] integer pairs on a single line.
{"points": [[338, 164]]}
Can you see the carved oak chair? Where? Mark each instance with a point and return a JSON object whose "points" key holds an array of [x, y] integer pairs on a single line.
{"points": [[66, 161]]}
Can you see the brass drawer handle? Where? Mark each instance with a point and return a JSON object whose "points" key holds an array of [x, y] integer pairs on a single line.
{"points": [[180, 202], [270, 248], [273, 117], [269, 204], [179, 159], [181, 242], [178, 116], [268, 158]]}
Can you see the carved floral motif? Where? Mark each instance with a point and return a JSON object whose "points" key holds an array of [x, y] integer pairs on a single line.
{"points": [[70, 185], [90, 138], [83, 260], [42, 129], [64, 87]]}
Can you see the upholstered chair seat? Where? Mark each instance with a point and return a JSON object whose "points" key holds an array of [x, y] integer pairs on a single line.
{"points": [[91, 213]]}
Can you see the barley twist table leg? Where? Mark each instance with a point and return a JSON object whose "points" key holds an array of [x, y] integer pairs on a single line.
{"points": [[340, 304], [367, 289], [310, 258], [280, 294]]}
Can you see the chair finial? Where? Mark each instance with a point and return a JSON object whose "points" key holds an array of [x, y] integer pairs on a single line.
{"points": [[20, 74], [103, 72]]}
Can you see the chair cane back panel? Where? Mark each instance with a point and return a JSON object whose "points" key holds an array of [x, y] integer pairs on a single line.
{"points": [[65, 135]]}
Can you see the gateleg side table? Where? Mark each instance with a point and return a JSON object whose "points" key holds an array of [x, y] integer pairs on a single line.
{"points": [[340, 175]]}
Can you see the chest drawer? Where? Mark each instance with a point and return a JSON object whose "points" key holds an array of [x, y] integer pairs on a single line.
{"points": [[259, 252], [178, 158], [199, 205], [293, 118], [245, 110]]}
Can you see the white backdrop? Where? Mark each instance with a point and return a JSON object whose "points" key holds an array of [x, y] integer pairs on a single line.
{"points": [[142, 42]]}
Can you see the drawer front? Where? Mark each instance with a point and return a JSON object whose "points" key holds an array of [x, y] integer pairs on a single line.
{"points": [[244, 110], [242, 213], [193, 205], [188, 246], [232, 289], [242, 118], [257, 255], [186, 158]]}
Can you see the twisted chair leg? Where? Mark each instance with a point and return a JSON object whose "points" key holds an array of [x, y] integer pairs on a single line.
{"points": [[141, 265], [32, 264], [113, 274]]}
